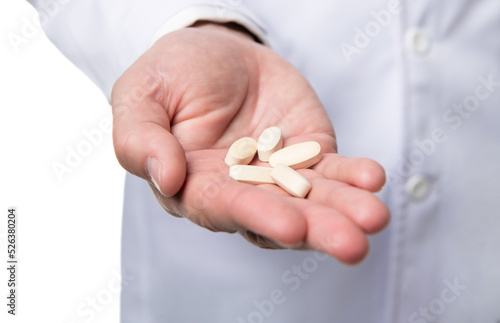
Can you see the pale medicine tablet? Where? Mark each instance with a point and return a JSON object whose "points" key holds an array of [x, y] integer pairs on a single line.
{"points": [[251, 174], [290, 180], [269, 142], [301, 155], [241, 151]]}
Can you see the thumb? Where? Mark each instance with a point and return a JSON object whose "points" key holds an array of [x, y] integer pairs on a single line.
{"points": [[145, 147]]}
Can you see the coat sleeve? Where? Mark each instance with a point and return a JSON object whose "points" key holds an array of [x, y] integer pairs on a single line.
{"points": [[103, 38]]}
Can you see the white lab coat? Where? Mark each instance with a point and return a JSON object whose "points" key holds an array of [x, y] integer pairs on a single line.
{"points": [[411, 84]]}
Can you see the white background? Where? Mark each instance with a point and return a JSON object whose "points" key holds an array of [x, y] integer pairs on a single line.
{"points": [[69, 227]]}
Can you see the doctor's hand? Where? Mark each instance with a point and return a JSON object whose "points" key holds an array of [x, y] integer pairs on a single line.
{"points": [[180, 106]]}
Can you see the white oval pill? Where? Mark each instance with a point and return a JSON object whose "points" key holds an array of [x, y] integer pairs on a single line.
{"points": [[290, 180], [302, 155], [269, 142], [251, 174], [241, 151]]}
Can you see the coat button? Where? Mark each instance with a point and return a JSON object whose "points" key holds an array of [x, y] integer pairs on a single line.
{"points": [[417, 41], [418, 186]]}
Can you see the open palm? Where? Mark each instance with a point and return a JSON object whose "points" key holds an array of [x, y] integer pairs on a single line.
{"points": [[187, 99]]}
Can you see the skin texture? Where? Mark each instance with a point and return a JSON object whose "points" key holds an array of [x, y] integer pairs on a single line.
{"points": [[180, 106]]}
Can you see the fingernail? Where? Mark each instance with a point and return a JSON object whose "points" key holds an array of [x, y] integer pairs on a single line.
{"points": [[154, 171]]}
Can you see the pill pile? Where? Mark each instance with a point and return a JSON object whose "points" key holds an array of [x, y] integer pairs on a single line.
{"points": [[283, 161]]}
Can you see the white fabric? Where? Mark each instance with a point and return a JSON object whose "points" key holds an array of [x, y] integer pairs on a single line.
{"points": [[218, 14], [412, 84]]}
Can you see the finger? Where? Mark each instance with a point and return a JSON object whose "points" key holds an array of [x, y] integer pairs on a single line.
{"points": [[361, 206], [261, 241], [360, 172], [331, 232], [222, 204], [142, 140]]}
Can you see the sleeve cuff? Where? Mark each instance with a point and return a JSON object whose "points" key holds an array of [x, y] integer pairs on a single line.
{"points": [[190, 15]]}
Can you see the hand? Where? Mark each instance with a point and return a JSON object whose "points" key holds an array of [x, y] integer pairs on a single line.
{"points": [[180, 106]]}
